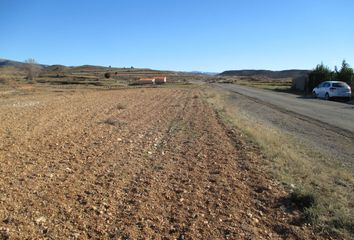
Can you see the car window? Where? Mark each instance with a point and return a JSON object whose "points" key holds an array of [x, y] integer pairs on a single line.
{"points": [[324, 84], [327, 84], [338, 85]]}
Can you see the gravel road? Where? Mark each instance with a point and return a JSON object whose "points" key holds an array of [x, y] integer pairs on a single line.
{"points": [[327, 126], [337, 114]]}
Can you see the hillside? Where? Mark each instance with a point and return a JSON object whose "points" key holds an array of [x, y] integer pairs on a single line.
{"points": [[10, 63], [89, 75], [293, 73]]}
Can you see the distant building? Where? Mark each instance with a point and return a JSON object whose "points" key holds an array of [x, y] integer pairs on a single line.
{"points": [[160, 80], [153, 80], [146, 81]]}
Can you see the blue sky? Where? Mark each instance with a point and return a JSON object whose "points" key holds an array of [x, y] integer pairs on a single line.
{"points": [[205, 35]]}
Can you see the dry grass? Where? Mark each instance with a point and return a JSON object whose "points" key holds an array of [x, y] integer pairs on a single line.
{"points": [[11, 73], [268, 85], [299, 168], [282, 84]]}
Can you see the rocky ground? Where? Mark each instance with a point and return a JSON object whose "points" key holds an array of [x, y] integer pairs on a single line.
{"points": [[150, 163]]}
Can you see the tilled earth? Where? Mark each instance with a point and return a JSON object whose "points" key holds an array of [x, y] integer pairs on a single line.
{"points": [[150, 163]]}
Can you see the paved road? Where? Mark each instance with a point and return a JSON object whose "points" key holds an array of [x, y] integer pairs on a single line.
{"points": [[336, 114]]}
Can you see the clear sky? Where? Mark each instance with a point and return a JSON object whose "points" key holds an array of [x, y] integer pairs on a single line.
{"points": [[205, 35]]}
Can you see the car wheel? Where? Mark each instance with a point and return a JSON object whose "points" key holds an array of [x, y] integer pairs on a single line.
{"points": [[327, 96], [314, 94]]}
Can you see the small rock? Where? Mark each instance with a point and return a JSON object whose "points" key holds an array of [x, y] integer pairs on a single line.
{"points": [[119, 139], [76, 235], [149, 153], [181, 237], [4, 233], [41, 220]]}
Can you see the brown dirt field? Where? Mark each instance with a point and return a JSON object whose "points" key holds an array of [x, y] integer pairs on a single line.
{"points": [[132, 164]]}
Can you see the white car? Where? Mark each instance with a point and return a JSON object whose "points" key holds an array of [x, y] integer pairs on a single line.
{"points": [[332, 89]]}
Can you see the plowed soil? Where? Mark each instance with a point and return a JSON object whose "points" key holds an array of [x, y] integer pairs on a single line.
{"points": [[132, 164]]}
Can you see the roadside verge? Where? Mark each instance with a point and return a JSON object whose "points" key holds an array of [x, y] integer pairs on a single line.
{"points": [[321, 187]]}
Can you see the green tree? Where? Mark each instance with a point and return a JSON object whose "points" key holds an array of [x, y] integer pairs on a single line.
{"points": [[345, 74], [320, 74]]}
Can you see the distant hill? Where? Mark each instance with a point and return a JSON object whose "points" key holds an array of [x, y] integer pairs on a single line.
{"points": [[11, 63], [204, 73], [83, 69], [57, 67], [293, 73]]}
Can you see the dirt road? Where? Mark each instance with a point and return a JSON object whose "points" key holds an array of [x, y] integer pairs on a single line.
{"points": [[336, 114], [132, 164], [325, 126]]}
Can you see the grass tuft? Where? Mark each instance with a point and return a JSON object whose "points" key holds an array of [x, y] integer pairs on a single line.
{"points": [[303, 200], [113, 122], [121, 106]]}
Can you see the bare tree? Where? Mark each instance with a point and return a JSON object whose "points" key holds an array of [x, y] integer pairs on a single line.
{"points": [[32, 69]]}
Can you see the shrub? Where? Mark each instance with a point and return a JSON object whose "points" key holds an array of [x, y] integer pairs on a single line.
{"points": [[320, 74], [345, 74], [107, 75], [32, 68], [307, 203], [302, 200]]}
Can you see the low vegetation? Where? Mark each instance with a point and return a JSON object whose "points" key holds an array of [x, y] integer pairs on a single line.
{"points": [[32, 69], [107, 75], [321, 188], [283, 85], [323, 73]]}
